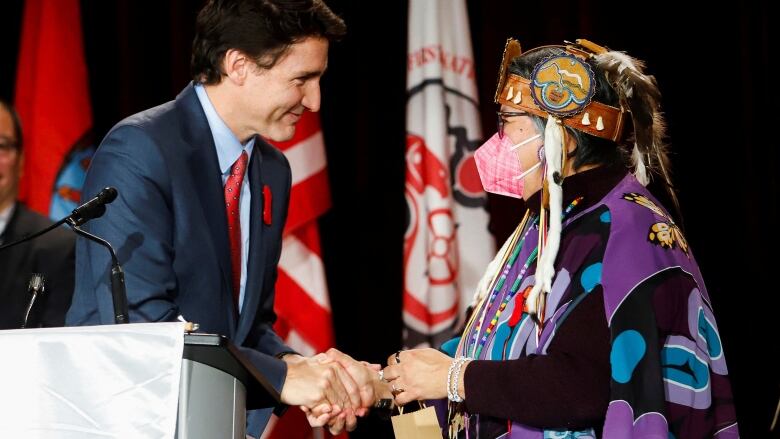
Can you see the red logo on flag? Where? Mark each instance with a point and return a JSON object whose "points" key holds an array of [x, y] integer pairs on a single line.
{"points": [[430, 250]]}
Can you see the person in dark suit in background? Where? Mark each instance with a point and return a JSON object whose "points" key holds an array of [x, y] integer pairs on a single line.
{"points": [[51, 255], [203, 198]]}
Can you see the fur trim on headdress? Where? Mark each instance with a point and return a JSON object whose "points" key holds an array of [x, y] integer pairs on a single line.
{"points": [[545, 266]]}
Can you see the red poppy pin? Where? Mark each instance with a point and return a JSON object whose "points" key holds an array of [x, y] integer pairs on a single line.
{"points": [[267, 203]]}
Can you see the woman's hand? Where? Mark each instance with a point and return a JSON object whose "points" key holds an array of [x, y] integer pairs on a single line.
{"points": [[420, 374], [368, 385]]}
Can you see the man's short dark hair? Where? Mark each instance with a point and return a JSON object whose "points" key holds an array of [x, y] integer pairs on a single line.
{"points": [[262, 29], [15, 120]]}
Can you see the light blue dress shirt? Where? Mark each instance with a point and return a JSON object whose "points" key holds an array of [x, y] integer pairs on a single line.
{"points": [[229, 149], [5, 217]]}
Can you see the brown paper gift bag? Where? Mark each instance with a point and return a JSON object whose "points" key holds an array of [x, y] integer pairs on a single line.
{"points": [[422, 424]]}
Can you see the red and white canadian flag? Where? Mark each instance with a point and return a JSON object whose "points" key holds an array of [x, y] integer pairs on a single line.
{"points": [[447, 245], [302, 305]]}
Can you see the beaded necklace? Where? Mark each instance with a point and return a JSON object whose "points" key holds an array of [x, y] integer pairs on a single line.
{"points": [[477, 348], [464, 346], [507, 297], [542, 299], [498, 285]]}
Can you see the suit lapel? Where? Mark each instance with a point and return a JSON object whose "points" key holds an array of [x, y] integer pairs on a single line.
{"points": [[12, 288], [12, 258], [256, 263], [207, 179], [10, 267]]}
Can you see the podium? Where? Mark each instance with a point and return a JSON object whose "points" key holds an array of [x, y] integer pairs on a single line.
{"points": [[145, 380], [215, 381]]}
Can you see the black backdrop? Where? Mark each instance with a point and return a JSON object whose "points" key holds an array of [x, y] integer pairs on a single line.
{"points": [[712, 65]]}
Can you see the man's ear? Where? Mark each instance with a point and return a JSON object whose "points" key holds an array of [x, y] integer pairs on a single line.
{"points": [[236, 66], [571, 144], [21, 164]]}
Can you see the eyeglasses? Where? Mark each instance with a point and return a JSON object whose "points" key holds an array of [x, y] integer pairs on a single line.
{"points": [[502, 115], [8, 145]]}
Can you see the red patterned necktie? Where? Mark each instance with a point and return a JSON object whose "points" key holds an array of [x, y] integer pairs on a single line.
{"points": [[233, 207]]}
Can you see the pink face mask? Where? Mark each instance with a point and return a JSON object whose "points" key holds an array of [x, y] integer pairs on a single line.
{"points": [[499, 168]]}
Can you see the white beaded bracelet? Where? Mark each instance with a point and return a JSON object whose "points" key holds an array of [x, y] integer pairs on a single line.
{"points": [[452, 378], [455, 396], [449, 379]]}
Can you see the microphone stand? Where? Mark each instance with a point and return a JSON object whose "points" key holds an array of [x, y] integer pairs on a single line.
{"points": [[118, 290], [92, 209]]}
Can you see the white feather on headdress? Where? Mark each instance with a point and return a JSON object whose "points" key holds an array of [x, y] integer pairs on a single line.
{"points": [[640, 169]]}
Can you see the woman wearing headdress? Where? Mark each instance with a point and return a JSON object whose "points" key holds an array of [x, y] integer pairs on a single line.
{"points": [[593, 320]]}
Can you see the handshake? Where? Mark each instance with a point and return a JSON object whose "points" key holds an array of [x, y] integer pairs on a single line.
{"points": [[333, 389]]}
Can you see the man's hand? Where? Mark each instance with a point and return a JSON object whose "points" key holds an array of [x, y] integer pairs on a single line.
{"points": [[365, 375], [319, 417], [369, 387], [313, 382]]}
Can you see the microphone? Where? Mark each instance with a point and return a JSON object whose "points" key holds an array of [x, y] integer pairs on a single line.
{"points": [[94, 208], [35, 287]]}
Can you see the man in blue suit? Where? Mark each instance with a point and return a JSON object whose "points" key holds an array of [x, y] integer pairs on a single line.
{"points": [[203, 198]]}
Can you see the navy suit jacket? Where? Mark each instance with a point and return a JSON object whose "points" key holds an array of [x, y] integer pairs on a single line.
{"points": [[169, 227], [50, 255]]}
